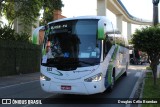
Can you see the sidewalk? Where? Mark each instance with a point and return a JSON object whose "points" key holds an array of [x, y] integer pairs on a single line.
{"points": [[17, 79], [138, 89]]}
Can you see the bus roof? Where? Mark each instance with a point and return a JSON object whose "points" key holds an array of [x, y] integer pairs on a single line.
{"points": [[80, 17]]}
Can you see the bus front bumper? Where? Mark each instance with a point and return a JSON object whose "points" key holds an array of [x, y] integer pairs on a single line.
{"points": [[83, 88]]}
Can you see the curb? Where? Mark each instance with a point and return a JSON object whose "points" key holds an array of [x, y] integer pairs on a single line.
{"points": [[139, 105], [143, 82], [139, 81]]}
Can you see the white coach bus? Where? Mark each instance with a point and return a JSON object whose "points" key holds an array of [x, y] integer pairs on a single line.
{"points": [[82, 55]]}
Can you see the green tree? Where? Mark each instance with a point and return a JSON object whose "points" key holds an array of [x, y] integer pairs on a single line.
{"points": [[1, 6], [9, 13], [1, 9], [7, 33], [28, 11], [148, 40], [49, 6]]}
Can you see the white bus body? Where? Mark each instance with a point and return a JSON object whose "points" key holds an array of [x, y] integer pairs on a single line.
{"points": [[82, 55]]}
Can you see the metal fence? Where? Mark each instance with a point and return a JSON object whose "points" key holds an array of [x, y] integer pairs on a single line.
{"points": [[19, 58]]}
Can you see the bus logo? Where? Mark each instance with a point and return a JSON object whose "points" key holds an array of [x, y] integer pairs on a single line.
{"points": [[6, 101]]}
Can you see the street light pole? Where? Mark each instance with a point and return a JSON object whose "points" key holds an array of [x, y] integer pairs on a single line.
{"points": [[155, 12]]}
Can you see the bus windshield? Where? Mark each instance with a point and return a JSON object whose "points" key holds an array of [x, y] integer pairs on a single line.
{"points": [[72, 44]]}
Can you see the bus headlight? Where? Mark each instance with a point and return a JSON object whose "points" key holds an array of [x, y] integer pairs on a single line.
{"points": [[43, 77], [96, 78]]}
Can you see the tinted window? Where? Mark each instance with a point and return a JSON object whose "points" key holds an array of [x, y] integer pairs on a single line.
{"points": [[73, 41]]}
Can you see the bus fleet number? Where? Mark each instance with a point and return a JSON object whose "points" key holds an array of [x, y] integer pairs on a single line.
{"points": [[49, 68]]}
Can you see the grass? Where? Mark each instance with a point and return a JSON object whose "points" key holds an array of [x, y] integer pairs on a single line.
{"points": [[151, 91], [149, 75], [148, 68]]}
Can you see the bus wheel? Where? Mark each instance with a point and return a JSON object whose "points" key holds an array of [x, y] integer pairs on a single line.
{"points": [[125, 73]]}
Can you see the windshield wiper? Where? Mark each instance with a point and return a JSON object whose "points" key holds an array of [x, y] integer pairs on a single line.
{"points": [[50, 61], [84, 62]]}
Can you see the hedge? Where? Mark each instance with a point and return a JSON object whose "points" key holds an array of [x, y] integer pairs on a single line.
{"points": [[19, 58]]}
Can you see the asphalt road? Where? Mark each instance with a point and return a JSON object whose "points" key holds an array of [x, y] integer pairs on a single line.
{"points": [[29, 87]]}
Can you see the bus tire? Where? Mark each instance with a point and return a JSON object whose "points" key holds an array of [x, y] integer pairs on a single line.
{"points": [[125, 73]]}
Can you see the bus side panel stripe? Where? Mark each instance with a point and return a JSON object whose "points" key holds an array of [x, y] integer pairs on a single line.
{"points": [[110, 67]]}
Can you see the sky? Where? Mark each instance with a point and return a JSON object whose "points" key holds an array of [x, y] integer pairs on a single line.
{"points": [[138, 8]]}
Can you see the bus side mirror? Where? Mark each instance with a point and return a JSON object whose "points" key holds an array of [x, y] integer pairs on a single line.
{"points": [[36, 35], [101, 30]]}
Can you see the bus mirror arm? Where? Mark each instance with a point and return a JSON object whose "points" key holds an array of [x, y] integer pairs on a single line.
{"points": [[101, 61]]}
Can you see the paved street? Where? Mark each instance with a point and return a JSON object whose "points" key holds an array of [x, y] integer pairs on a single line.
{"points": [[31, 89]]}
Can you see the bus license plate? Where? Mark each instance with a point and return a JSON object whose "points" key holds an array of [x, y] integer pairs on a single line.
{"points": [[64, 87]]}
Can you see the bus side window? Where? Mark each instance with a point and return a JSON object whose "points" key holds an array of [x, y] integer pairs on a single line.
{"points": [[104, 49], [108, 43]]}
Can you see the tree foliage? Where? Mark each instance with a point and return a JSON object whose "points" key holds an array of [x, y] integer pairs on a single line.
{"points": [[49, 6], [7, 33], [28, 11], [9, 13], [25, 10], [1, 7], [148, 40]]}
